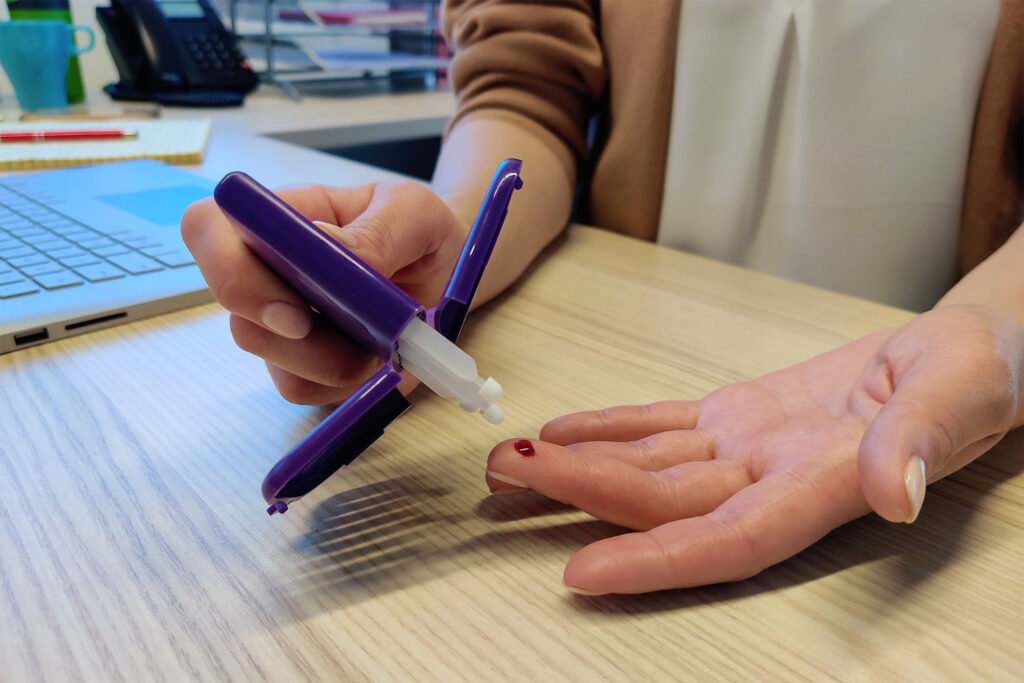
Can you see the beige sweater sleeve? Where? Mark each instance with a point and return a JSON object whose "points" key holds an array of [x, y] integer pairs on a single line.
{"points": [[538, 62], [548, 65]]}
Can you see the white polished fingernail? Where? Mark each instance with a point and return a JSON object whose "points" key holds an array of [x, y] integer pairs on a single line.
{"points": [[287, 320], [507, 480], [508, 492], [583, 591], [915, 481], [337, 232]]}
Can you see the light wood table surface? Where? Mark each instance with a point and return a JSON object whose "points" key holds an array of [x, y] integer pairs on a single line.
{"points": [[134, 543]]}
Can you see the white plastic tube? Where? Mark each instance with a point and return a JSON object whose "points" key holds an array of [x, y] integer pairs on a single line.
{"points": [[448, 370]]}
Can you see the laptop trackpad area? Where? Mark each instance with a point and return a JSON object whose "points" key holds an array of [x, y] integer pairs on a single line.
{"points": [[161, 206]]}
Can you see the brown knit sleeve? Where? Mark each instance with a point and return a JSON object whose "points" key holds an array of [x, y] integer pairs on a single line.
{"points": [[994, 192], [540, 59]]}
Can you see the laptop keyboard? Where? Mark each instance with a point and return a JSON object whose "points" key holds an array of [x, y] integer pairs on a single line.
{"points": [[42, 249]]}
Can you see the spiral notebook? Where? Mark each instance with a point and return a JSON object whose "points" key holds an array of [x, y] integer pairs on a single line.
{"points": [[176, 141]]}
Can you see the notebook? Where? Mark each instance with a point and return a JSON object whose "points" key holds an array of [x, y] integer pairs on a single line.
{"points": [[86, 248], [176, 141]]}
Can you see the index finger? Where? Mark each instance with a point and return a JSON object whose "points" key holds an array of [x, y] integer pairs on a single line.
{"points": [[238, 279]]}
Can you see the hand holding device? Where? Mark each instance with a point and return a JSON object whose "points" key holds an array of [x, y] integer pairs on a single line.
{"points": [[377, 315]]}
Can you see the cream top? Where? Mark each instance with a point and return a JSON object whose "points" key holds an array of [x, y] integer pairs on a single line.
{"points": [[826, 141]]}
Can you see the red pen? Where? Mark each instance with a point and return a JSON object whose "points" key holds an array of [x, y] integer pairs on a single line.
{"points": [[68, 135]]}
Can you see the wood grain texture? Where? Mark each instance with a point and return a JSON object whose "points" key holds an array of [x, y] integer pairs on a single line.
{"points": [[134, 546]]}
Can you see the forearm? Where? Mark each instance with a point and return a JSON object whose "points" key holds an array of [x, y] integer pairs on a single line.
{"points": [[538, 212], [997, 283]]}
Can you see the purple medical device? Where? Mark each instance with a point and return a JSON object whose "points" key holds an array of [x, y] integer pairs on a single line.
{"points": [[377, 315]]}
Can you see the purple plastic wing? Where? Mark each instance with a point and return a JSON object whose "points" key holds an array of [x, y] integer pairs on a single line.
{"points": [[336, 441], [450, 313]]}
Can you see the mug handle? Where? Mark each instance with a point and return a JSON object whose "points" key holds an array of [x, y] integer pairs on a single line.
{"points": [[92, 39]]}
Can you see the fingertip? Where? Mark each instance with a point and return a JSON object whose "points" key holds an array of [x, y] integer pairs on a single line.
{"points": [[621, 564], [194, 219], [582, 574], [556, 431], [888, 479]]}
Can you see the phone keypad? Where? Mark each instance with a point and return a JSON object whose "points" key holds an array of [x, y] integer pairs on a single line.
{"points": [[211, 54]]}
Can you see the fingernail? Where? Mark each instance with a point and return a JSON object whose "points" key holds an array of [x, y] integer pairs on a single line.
{"points": [[914, 479], [287, 320], [507, 480], [507, 492], [337, 232], [583, 591]]}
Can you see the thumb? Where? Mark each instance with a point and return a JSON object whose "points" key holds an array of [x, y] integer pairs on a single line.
{"points": [[943, 413], [403, 223]]}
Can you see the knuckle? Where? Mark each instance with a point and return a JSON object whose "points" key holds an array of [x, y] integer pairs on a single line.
{"points": [[646, 450], [752, 557], [228, 286], [375, 242]]}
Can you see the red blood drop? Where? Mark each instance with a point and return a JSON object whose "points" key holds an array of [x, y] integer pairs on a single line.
{"points": [[524, 447]]}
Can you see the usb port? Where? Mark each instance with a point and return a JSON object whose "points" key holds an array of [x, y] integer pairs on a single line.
{"points": [[31, 336]]}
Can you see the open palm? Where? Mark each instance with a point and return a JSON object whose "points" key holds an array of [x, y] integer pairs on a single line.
{"points": [[757, 471]]}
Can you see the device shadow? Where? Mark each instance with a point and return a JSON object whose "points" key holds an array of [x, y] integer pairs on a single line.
{"points": [[404, 531]]}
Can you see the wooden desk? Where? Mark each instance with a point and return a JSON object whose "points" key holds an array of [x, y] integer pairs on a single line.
{"points": [[135, 545]]}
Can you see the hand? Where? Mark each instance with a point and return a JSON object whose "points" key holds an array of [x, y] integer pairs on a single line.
{"points": [[401, 229], [755, 472]]}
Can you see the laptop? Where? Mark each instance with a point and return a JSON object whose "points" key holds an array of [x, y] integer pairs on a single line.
{"points": [[86, 248]]}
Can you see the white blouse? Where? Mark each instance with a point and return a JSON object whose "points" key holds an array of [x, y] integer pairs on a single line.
{"points": [[826, 141]]}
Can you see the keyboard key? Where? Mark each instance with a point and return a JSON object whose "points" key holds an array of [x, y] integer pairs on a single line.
{"points": [[79, 234], [64, 278], [136, 264], [95, 242], [97, 272], [141, 241], [10, 276], [65, 252], [26, 230], [175, 259], [16, 251], [82, 259], [14, 221], [29, 260], [112, 250], [158, 248], [48, 242], [60, 224], [18, 289], [119, 233], [42, 268]]}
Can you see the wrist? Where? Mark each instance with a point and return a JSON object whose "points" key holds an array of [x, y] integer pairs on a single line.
{"points": [[997, 284]]}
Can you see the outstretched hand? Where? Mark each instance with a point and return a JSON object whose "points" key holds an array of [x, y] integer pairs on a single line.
{"points": [[723, 487]]}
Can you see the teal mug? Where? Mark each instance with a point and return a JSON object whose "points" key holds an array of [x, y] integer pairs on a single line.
{"points": [[34, 54]]}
